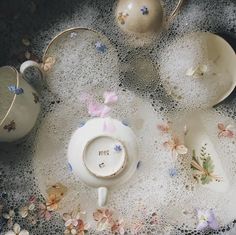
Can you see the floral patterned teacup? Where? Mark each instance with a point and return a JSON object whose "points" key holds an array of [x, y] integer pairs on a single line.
{"points": [[19, 103], [143, 16]]}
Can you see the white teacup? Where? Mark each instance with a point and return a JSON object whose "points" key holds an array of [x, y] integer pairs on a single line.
{"points": [[19, 103], [103, 153], [143, 16]]}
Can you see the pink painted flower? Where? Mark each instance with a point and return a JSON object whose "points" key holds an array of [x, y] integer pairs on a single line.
{"points": [[110, 97], [74, 223], [164, 127], [104, 218], [224, 131], [44, 212], [176, 147], [118, 227]]}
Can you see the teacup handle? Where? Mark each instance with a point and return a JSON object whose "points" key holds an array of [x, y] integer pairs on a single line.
{"points": [[30, 63], [102, 196], [175, 11]]}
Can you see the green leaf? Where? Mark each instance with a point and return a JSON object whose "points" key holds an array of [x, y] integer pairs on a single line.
{"points": [[206, 179], [208, 165]]}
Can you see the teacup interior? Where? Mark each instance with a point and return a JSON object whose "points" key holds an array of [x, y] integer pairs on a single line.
{"points": [[8, 79]]}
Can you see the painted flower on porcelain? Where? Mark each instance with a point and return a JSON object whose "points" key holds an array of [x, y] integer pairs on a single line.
{"points": [[225, 131], [100, 47], [176, 146], [144, 10], [206, 219], [13, 89]]}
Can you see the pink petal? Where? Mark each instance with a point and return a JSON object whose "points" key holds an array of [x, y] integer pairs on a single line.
{"points": [[228, 133], [48, 215], [98, 110], [105, 111], [221, 126], [108, 127], [110, 97]]}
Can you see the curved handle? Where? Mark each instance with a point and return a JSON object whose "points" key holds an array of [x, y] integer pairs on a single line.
{"points": [[30, 63], [175, 11], [102, 196]]}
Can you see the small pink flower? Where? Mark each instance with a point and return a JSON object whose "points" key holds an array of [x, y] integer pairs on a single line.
{"points": [[176, 147], [44, 212], [224, 131], [118, 227], [137, 227], [110, 97], [164, 127], [98, 110], [104, 218]]}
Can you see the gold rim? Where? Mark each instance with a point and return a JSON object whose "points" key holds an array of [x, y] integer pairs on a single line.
{"points": [[14, 98], [70, 30], [176, 10]]}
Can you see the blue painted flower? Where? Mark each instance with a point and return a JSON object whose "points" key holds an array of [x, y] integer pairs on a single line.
{"points": [[138, 164], [144, 10], [100, 47], [13, 89], [206, 219], [125, 123], [70, 167], [118, 148], [81, 124], [173, 172]]}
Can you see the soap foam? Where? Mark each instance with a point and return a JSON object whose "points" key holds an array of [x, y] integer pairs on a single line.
{"points": [[144, 102]]}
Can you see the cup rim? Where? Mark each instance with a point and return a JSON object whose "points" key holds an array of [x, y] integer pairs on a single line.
{"points": [[66, 31], [14, 97]]}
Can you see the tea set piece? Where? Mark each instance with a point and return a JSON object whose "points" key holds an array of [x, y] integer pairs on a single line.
{"points": [[19, 104], [142, 16], [206, 163], [198, 70], [82, 55], [103, 157]]}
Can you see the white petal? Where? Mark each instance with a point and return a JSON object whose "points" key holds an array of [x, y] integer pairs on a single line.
{"points": [[11, 213], [16, 228], [181, 149], [190, 72], [24, 232], [68, 223], [31, 206], [23, 212], [73, 231], [10, 233], [6, 216]]}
